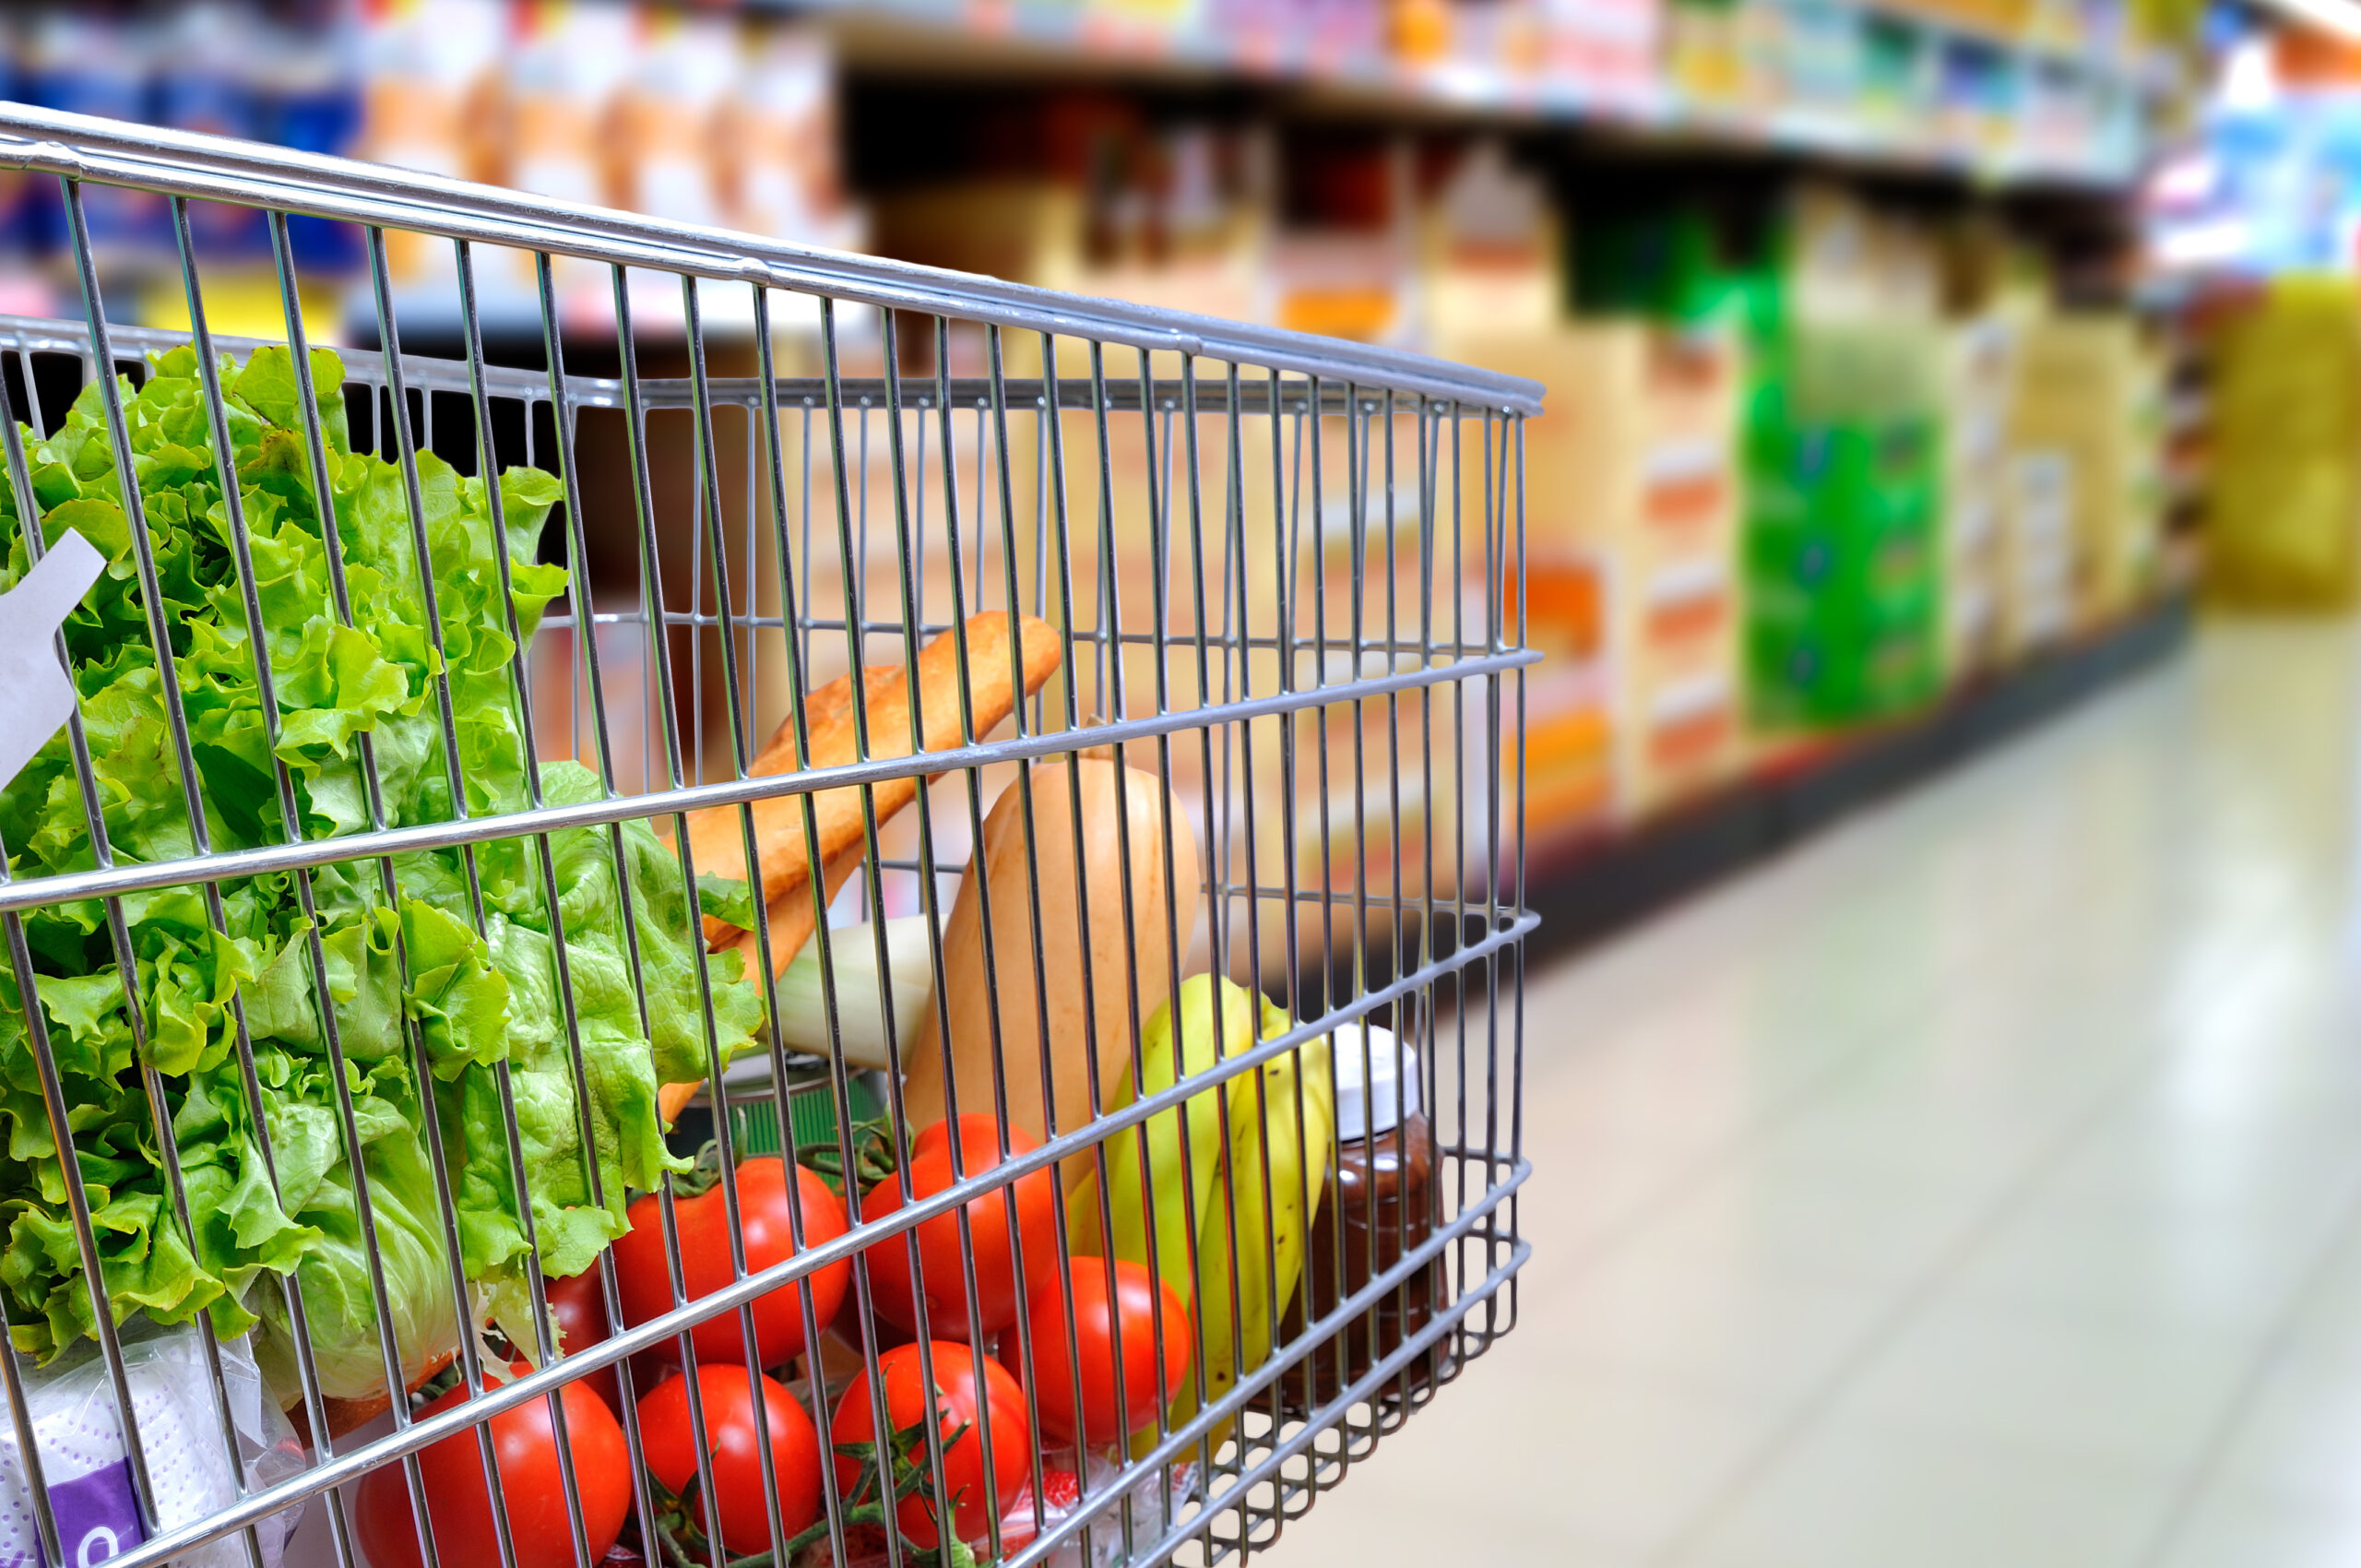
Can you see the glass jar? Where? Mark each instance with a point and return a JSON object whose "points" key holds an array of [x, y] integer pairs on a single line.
{"points": [[1377, 1204]]}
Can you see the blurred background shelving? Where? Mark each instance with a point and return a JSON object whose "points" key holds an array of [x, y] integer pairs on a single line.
{"points": [[1890, 354]]}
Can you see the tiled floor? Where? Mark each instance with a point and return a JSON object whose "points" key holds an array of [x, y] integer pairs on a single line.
{"points": [[1980, 1186]]}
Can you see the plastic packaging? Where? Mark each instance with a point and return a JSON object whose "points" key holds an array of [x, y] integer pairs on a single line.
{"points": [[86, 1465], [1063, 1500]]}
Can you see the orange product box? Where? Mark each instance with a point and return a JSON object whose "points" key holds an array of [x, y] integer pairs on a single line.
{"points": [[1633, 461]]}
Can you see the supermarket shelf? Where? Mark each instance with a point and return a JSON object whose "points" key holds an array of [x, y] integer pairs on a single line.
{"points": [[1588, 889], [988, 38]]}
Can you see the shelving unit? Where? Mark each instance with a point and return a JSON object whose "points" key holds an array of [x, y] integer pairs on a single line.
{"points": [[1673, 93], [2041, 115], [1586, 886]]}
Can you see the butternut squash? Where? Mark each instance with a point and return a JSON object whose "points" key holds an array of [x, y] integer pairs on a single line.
{"points": [[1118, 964]]}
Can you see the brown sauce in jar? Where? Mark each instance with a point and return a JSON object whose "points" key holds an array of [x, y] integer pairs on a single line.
{"points": [[1377, 1204]]}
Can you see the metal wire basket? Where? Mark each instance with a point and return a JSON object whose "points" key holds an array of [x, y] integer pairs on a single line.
{"points": [[458, 736]]}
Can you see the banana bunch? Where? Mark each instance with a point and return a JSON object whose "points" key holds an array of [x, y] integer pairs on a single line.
{"points": [[1248, 1171]]}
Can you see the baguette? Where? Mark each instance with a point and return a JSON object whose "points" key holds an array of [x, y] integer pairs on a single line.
{"points": [[714, 835]]}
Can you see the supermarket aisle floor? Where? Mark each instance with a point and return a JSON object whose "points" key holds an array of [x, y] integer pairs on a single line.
{"points": [[1980, 1186]]}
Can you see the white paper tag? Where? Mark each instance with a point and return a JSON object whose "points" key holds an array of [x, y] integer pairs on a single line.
{"points": [[36, 694]]}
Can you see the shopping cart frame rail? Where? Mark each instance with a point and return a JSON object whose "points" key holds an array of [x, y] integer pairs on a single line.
{"points": [[202, 167]]}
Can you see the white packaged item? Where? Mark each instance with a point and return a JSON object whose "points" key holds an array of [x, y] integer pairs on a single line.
{"points": [[87, 1468]]}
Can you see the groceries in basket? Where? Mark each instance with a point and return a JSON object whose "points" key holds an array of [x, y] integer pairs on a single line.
{"points": [[1105, 945], [1000, 656], [1101, 1301], [999, 1256], [764, 1230], [1216, 1172], [532, 1458], [828, 732]]}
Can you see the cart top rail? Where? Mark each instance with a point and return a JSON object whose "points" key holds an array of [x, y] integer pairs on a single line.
{"points": [[421, 372], [217, 168]]}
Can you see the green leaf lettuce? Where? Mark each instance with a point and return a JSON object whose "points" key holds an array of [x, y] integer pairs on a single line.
{"points": [[414, 979]]}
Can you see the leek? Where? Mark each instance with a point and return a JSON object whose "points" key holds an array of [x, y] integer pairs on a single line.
{"points": [[860, 1013]]}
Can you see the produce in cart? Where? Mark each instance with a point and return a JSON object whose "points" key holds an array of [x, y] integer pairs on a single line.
{"points": [[1279, 1120], [422, 1097], [415, 983], [533, 1514]]}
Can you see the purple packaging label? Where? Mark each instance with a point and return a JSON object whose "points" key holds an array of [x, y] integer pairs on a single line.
{"points": [[97, 1516]]}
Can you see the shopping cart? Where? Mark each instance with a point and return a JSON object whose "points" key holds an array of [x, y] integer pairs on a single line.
{"points": [[1052, 768]]}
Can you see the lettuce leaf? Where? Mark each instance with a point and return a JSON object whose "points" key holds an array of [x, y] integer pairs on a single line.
{"points": [[411, 983]]}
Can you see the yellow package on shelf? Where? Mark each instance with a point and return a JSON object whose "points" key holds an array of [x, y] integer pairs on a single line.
{"points": [[2280, 526], [1979, 379], [2083, 381]]}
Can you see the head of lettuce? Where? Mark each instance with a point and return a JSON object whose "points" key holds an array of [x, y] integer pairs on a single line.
{"points": [[445, 997]]}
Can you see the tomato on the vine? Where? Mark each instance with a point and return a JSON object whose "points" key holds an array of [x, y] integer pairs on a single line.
{"points": [[998, 1300], [970, 1390], [1133, 1308], [703, 1221], [668, 1439], [458, 1505], [578, 1314]]}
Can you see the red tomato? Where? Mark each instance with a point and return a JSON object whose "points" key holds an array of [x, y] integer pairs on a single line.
{"points": [[668, 1438], [1134, 1309], [578, 1313], [532, 1492], [958, 1401], [703, 1221], [998, 1303]]}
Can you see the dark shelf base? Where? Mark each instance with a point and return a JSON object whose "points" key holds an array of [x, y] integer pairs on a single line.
{"points": [[1592, 888]]}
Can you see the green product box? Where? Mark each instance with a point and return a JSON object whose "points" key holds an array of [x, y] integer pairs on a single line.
{"points": [[1856, 464], [1803, 680], [1673, 264], [1885, 602], [1880, 548]]}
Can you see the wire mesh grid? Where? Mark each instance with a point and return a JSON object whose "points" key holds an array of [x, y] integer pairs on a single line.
{"points": [[1054, 770]]}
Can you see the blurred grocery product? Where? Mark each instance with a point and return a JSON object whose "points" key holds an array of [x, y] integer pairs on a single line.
{"points": [[1343, 259], [669, 121], [1979, 373], [1843, 542], [1631, 466], [2084, 415], [432, 102], [1839, 443], [722, 115], [2285, 501], [1491, 250]]}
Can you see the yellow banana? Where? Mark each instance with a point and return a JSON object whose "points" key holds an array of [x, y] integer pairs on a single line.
{"points": [[1217, 1355], [1298, 1182], [1178, 1189], [1240, 1209], [1265, 1205], [1269, 1153]]}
